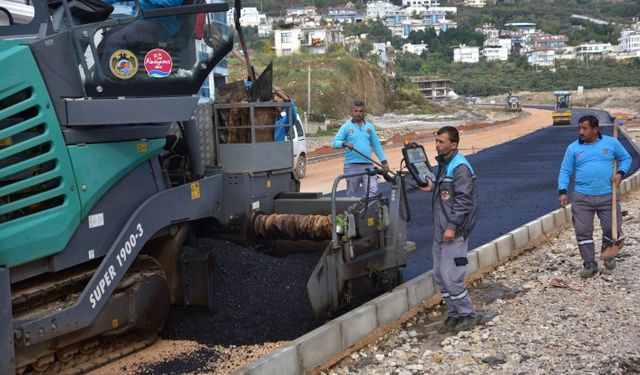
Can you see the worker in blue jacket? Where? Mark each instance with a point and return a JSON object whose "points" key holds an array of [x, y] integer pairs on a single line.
{"points": [[135, 35], [284, 116], [591, 159], [455, 209], [359, 134]]}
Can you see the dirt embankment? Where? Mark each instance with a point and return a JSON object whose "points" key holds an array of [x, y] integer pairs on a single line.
{"points": [[622, 99], [337, 79]]}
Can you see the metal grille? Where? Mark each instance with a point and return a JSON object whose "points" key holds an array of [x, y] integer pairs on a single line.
{"points": [[30, 181]]}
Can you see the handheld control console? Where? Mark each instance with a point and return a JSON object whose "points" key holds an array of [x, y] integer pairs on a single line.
{"points": [[417, 163]]}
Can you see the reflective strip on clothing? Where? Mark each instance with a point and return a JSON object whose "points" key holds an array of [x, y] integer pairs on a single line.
{"points": [[460, 296], [585, 242]]}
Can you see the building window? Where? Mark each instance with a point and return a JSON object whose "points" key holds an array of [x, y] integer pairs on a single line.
{"points": [[285, 38], [286, 51]]}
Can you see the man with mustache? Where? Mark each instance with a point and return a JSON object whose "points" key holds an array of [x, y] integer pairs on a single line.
{"points": [[359, 134], [591, 158]]}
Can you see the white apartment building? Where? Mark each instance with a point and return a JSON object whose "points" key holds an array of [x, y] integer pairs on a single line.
{"points": [[308, 11], [249, 17], [416, 49], [406, 27], [264, 27], [495, 53], [380, 49], [424, 3], [498, 42], [287, 41], [452, 10], [475, 3], [526, 28], [468, 55], [542, 57], [488, 30], [593, 49], [629, 41], [378, 9], [314, 40], [414, 10]]}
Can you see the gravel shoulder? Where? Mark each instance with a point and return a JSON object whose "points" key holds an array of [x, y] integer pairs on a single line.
{"points": [[529, 326]]}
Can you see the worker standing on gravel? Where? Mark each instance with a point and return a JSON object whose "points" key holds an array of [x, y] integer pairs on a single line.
{"points": [[455, 205], [591, 158], [359, 134]]}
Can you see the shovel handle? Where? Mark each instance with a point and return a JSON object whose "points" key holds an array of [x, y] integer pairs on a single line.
{"points": [[614, 192], [371, 160]]}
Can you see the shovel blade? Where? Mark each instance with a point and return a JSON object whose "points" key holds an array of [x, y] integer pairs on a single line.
{"points": [[612, 250]]}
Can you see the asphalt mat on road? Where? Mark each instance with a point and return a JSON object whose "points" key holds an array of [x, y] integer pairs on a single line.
{"points": [[261, 299], [517, 183]]}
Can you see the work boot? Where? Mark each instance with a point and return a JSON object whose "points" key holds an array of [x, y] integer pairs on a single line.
{"points": [[610, 263], [589, 270], [466, 323], [448, 325]]}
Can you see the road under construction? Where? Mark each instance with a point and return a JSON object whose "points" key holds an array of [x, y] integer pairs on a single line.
{"points": [[517, 182]]}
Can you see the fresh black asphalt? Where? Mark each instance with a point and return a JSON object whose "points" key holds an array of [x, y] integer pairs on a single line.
{"points": [[260, 298], [517, 184]]}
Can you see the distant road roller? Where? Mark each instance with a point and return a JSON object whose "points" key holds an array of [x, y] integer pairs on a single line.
{"points": [[562, 112]]}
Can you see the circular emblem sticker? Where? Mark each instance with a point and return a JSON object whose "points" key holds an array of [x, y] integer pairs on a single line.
{"points": [[444, 194], [123, 64], [605, 151], [158, 63]]}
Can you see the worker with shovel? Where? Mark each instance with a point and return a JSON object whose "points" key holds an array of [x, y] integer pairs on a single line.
{"points": [[359, 136], [594, 159]]}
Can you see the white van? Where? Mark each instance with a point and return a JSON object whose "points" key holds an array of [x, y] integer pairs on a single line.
{"points": [[299, 149]]}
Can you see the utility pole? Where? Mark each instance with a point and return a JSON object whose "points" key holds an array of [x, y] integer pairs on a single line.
{"points": [[306, 115]]}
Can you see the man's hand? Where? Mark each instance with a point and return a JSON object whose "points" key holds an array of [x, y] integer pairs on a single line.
{"points": [[427, 188], [347, 145], [616, 180], [563, 200], [385, 165], [449, 235]]}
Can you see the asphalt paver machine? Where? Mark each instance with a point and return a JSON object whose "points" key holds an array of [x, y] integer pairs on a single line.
{"points": [[106, 182]]}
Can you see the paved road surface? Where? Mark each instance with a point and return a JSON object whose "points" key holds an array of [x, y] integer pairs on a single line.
{"points": [[517, 183]]}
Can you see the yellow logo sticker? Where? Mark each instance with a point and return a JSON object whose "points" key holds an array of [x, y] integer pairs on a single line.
{"points": [[268, 184], [195, 190], [141, 147], [114, 323], [123, 64], [370, 222]]}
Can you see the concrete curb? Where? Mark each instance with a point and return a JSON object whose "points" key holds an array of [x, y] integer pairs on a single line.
{"points": [[325, 342]]}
